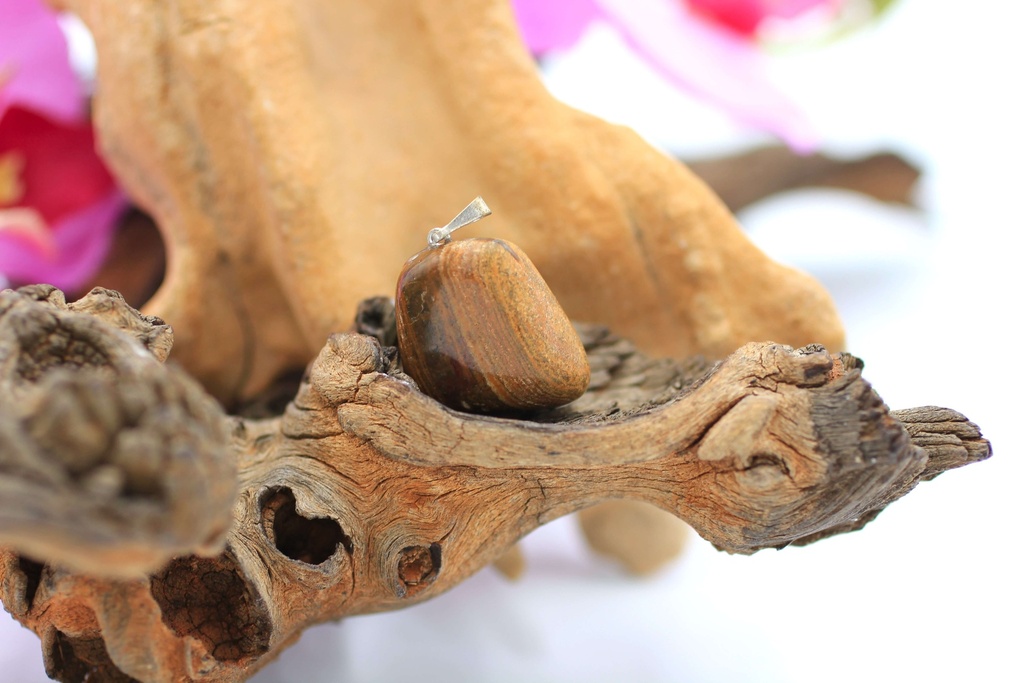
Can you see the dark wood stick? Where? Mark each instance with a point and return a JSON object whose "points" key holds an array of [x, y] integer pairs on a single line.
{"points": [[743, 179]]}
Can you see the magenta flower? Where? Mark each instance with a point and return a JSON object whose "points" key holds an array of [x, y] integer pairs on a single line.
{"points": [[59, 204], [704, 47], [746, 16]]}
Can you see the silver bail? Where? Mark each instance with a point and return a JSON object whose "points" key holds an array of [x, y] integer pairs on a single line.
{"points": [[476, 210]]}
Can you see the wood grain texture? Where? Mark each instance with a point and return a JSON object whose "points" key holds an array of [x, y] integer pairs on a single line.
{"points": [[479, 330], [366, 495]]}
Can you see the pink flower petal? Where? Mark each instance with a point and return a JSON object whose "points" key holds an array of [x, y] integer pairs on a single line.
{"points": [[553, 24], [34, 67], [80, 243], [714, 64]]}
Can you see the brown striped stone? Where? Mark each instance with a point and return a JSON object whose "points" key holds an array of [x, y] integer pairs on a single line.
{"points": [[479, 330]]}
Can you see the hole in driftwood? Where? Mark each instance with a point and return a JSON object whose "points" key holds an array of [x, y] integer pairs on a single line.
{"points": [[208, 599], [376, 317], [136, 261], [75, 660], [307, 540], [418, 567], [33, 572], [768, 460], [274, 399]]}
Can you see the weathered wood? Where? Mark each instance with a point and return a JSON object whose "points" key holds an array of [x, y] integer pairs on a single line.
{"points": [[748, 177], [262, 139], [366, 495], [136, 263], [110, 462]]}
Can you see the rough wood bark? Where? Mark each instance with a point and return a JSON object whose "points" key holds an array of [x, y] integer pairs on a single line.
{"points": [[110, 462], [365, 495]]}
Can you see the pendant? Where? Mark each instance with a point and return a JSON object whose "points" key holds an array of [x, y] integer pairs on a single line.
{"points": [[479, 329]]}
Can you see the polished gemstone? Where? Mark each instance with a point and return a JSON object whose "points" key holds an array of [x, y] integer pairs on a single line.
{"points": [[479, 330]]}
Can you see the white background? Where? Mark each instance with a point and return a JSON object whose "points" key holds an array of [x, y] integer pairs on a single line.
{"points": [[930, 591]]}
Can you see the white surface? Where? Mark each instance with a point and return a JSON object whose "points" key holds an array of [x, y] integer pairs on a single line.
{"points": [[930, 591]]}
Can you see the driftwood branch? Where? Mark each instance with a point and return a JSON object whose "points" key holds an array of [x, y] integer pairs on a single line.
{"points": [[743, 179], [110, 462], [365, 495]]}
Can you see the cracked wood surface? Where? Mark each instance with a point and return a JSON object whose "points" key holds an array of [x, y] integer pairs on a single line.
{"points": [[110, 462], [364, 495]]}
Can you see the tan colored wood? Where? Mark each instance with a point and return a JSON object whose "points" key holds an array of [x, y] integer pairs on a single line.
{"points": [[294, 153], [511, 563], [639, 537], [365, 495]]}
